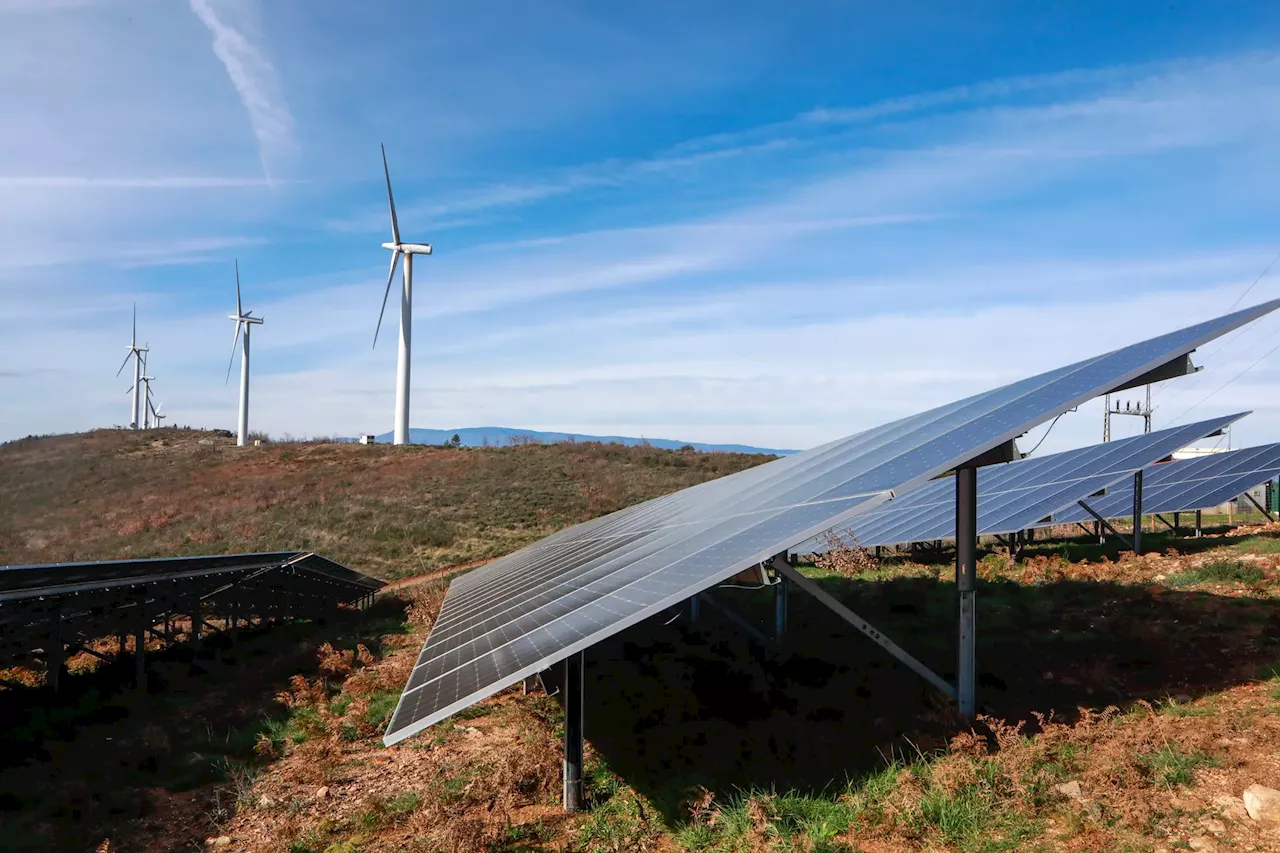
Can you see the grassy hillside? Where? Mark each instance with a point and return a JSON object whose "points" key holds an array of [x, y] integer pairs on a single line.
{"points": [[388, 511], [1127, 702]]}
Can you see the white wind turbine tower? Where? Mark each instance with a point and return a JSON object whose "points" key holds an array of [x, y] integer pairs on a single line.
{"points": [[135, 353], [408, 250], [247, 320], [146, 391]]}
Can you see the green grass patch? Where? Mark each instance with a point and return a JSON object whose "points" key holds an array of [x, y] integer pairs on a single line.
{"points": [[1258, 545], [382, 703], [1171, 767], [1218, 571]]}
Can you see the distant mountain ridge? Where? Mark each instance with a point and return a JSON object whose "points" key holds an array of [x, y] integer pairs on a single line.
{"points": [[504, 436]]}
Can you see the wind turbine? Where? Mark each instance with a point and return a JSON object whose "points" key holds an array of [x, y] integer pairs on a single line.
{"points": [[146, 392], [135, 353], [408, 250], [156, 413], [247, 320]]}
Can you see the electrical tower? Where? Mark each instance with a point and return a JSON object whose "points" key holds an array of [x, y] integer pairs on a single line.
{"points": [[1138, 409]]}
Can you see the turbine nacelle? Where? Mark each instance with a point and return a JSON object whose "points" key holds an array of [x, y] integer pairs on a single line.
{"points": [[409, 248]]}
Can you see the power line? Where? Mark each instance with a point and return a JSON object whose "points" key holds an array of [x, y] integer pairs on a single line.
{"points": [[1260, 359]]}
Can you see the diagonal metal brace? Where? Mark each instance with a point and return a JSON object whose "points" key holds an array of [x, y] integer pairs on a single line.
{"points": [[1166, 522], [1265, 514], [865, 627], [1106, 524]]}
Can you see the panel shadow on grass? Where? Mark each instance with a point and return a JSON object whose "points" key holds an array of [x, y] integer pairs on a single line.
{"points": [[672, 706]]}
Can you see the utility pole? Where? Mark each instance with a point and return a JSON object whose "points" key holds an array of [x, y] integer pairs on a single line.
{"points": [[1138, 409]]}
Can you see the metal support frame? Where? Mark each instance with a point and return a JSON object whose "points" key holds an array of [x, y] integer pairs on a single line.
{"points": [[1199, 529], [866, 628], [55, 654], [694, 608], [1137, 512], [1172, 525], [724, 610], [1261, 509], [966, 594], [1177, 523], [781, 596], [574, 796], [1087, 531], [1106, 525], [140, 644]]}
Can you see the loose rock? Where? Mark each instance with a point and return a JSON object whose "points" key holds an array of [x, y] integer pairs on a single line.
{"points": [[1202, 842], [1262, 803], [322, 793], [1069, 789]]}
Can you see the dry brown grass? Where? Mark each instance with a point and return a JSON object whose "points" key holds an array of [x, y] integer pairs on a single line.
{"points": [[389, 511]]}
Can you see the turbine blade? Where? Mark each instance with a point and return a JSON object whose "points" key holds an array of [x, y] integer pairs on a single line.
{"points": [[126, 361], [232, 363], [395, 259], [239, 311], [391, 201]]}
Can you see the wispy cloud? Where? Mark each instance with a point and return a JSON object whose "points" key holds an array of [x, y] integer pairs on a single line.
{"points": [[254, 78], [176, 182]]}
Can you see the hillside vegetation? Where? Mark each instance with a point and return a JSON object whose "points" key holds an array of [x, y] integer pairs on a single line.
{"points": [[388, 511], [1128, 702]]}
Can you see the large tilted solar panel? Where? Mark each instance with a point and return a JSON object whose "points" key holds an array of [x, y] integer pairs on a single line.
{"points": [[525, 612], [1017, 495], [1186, 484]]}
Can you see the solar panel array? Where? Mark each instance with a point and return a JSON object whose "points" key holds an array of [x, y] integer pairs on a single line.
{"points": [[1019, 495], [1187, 484], [95, 599], [525, 612]]}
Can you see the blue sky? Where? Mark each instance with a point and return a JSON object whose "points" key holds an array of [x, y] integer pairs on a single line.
{"points": [[710, 221]]}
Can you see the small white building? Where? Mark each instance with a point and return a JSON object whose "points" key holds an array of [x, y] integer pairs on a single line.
{"points": [[367, 439]]}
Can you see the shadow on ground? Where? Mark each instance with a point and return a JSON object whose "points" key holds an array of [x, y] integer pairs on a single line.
{"points": [[670, 706], [102, 758]]}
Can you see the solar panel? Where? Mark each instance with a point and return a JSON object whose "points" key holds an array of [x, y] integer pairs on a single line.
{"points": [[1018, 495], [531, 609], [1187, 484]]}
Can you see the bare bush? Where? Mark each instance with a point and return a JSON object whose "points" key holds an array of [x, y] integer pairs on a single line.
{"points": [[844, 556]]}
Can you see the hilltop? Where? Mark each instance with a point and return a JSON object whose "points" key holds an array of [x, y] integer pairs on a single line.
{"points": [[491, 436], [388, 511]]}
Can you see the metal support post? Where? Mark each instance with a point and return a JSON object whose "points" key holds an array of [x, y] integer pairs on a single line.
{"points": [[55, 655], [574, 799], [1137, 513], [1199, 530], [197, 623], [693, 608], [966, 575], [232, 622], [1177, 521], [140, 645], [781, 592]]}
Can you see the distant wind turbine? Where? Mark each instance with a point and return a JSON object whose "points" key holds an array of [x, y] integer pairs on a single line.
{"points": [[157, 413], [146, 391], [247, 320], [135, 353], [408, 250]]}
